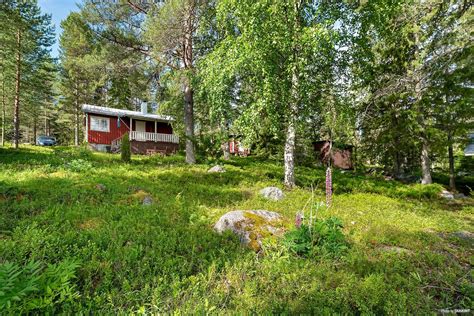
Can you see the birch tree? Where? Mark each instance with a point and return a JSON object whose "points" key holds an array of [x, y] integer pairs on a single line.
{"points": [[280, 51]]}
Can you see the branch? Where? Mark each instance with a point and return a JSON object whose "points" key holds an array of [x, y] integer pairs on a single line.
{"points": [[137, 7]]}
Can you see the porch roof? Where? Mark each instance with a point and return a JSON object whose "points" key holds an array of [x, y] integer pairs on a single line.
{"points": [[94, 109]]}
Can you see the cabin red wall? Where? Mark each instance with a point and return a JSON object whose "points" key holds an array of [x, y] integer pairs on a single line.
{"points": [[149, 127], [106, 138], [164, 128]]}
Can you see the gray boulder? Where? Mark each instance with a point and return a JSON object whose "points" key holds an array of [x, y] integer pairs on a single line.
{"points": [[216, 168], [395, 249], [465, 235], [272, 193], [100, 187], [447, 195], [251, 226], [147, 200]]}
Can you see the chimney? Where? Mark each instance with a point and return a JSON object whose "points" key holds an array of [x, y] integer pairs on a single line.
{"points": [[144, 108]]}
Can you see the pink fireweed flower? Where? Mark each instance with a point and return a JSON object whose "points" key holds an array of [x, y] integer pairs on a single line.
{"points": [[328, 186], [298, 220]]}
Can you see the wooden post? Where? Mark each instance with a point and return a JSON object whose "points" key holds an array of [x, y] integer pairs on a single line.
{"points": [[86, 134], [156, 130]]}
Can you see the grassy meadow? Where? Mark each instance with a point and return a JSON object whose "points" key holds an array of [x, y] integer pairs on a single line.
{"points": [[76, 237]]}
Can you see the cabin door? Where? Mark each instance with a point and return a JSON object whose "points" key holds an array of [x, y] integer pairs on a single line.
{"points": [[140, 126]]}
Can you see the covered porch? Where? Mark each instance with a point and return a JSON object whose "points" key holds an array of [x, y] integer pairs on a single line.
{"points": [[148, 137]]}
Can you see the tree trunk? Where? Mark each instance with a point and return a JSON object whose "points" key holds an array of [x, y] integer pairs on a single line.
{"points": [[35, 123], [452, 176], [16, 112], [290, 142], [188, 91], [45, 122], [425, 148], [225, 146], [425, 162], [76, 127], [3, 111], [291, 134], [226, 150], [189, 124]]}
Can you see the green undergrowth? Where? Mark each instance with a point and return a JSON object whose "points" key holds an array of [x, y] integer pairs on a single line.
{"points": [[81, 214]]}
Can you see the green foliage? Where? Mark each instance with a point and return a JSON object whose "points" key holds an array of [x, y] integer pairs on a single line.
{"points": [[27, 69], [33, 287], [125, 149], [79, 165], [324, 238], [166, 258]]}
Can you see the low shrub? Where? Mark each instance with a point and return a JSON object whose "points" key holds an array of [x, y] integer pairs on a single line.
{"points": [[321, 238], [79, 165]]}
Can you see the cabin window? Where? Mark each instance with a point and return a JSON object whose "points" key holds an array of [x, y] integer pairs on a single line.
{"points": [[100, 124]]}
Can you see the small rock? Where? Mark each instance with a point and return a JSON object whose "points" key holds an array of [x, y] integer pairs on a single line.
{"points": [[447, 195], [147, 200], [463, 235], [353, 223], [272, 193], [396, 249], [251, 226], [460, 196], [100, 187], [216, 168]]}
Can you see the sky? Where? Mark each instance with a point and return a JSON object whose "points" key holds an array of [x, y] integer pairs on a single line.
{"points": [[60, 10]]}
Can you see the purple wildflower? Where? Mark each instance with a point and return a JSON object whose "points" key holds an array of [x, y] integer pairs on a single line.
{"points": [[328, 186], [298, 220]]}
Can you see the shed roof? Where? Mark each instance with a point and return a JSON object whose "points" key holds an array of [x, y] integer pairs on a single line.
{"points": [[469, 151], [94, 109]]}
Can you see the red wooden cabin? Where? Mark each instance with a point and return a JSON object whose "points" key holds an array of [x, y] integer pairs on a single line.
{"points": [[236, 148], [340, 157], [149, 133]]}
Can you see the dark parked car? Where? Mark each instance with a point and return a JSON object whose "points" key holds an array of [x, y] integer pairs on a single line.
{"points": [[46, 141]]}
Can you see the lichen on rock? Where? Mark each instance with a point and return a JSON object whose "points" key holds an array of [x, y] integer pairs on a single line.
{"points": [[251, 226]]}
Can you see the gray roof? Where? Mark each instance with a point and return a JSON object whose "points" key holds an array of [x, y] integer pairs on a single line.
{"points": [[469, 151], [94, 109]]}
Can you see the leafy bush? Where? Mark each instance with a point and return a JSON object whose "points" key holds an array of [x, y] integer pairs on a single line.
{"points": [[322, 238], [30, 287], [79, 165], [125, 150]]}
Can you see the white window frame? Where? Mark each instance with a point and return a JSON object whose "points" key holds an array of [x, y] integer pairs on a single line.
{"points": [[98, 126]]}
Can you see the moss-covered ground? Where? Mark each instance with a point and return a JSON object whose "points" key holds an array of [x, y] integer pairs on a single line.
{"points": [[79, 217]]}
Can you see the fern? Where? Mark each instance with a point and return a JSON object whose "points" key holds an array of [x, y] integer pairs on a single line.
{"points": [[34, 286], [17, 283]]}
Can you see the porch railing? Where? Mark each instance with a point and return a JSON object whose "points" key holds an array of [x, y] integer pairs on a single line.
{"points": [[154, 137]]}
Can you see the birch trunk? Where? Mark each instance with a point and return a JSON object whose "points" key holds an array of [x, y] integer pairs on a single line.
{"points": [[291, 134], [290, 142], [226, 150], [16, 110]]}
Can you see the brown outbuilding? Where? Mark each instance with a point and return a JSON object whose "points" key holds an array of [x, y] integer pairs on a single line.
{"points": [[340, 156]]}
